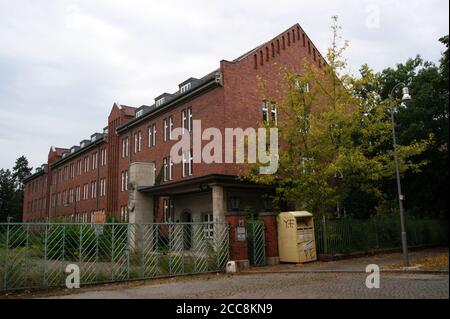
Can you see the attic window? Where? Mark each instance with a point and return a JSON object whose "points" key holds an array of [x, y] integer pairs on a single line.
{"points": [[161, 101], [94, 138], [83, 144], [186, 87], [139, 113]]}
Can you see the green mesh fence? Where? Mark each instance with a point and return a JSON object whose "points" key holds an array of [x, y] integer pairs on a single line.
{"points": [[35, 255], [344, 236]]}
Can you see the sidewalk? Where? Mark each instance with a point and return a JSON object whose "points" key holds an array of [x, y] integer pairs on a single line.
{"points": [[427, 260]]}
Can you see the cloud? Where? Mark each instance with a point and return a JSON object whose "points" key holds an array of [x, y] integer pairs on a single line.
{"points": [[64, 63]]}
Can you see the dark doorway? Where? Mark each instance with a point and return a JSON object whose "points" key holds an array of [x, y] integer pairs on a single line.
{"points": [[186, 219]]}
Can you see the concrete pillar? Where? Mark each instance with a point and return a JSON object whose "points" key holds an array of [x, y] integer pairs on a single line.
{"points": [[238, 246], [140, 206], [218, 203]]}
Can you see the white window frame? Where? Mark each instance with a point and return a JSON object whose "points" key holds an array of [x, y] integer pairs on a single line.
{"points": [[168, 211], [189, 121], [187, 163], [166, 126], [184, 119], [94, 189], [274, 114], [265, 112], [186, 87], [160, 102]]}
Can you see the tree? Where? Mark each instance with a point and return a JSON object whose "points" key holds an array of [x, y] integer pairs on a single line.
{"points": [[20, 171], [335, 132], [7, 193], [427, 114]]}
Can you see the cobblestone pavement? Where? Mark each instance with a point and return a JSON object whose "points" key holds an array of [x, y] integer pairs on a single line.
{"points": [[287, 286]]}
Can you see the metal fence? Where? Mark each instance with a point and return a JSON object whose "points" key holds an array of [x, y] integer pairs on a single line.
{"points": [[256, 242], [344, 236], [35, 255]]}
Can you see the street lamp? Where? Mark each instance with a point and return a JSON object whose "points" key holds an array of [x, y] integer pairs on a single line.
{"points": [[405, 100]]}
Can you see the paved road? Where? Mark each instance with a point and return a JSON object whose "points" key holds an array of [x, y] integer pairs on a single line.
{"points": [[337, 279], [286, 285]]}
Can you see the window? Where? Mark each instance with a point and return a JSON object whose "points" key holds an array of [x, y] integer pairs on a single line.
{"points": [[64, 198], [168, 127], [103, 187], [137, 142], [186, 87], [94, 160], [273, 113], [270, 115], [79, 167], [208, 228], [160, 102], [103, 157], [124, 181], [139, 113], [78, 194], [186, 119], [265, 111], [124, 217], [235, 203], [125, 147], [169, 216], [167, 168], [152, 135], [187, 163], [85, 191], [94, 189], [307, 88], [86, 164], [72, 170], [71, 197]]}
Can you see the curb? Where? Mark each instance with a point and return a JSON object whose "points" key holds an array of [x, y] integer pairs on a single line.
{"points": [[429, 272]]}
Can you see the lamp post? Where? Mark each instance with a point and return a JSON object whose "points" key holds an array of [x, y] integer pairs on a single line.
{"points": [[405, 99]]}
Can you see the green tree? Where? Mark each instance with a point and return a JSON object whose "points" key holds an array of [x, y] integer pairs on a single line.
{"points": [[334, 130], [7, 193], [427, 114], [20, 171]]}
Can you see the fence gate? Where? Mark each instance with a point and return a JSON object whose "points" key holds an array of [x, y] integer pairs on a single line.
{"points": [[256, 242]]}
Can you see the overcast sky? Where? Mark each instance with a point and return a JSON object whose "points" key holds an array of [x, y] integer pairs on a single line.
{"points": [[64, 63]]}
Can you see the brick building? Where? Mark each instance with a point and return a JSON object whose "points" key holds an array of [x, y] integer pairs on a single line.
{"points": [[126, 171]]}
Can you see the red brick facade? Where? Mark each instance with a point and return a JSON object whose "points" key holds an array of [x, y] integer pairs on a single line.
{"points": [[226, 98]]}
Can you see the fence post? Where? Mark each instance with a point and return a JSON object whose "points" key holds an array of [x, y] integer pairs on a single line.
{"points": [[5, 275], [112, 251], [127, 250], [324, 235], [45, 253]]}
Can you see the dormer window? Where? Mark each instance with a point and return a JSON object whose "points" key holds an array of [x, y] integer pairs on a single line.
{"points": [[139, 113], [94, 138], [186, 87], [161, 101]]}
